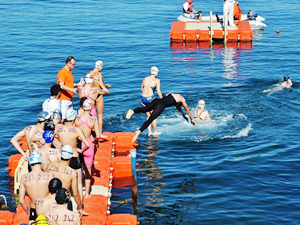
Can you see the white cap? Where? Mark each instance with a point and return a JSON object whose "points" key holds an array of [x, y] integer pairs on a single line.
{"points": [[99, 64], [89, 78], [87, 104], [201, 103], [35, 158], [43, 116], [66, 152], [71, 114], [154, 70]]}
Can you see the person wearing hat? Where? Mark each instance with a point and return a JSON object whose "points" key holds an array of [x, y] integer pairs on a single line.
{"points": [[149, 85], [200, 113], [66, 174], [87, 123], [66, 80], [286, 83], [35, 184], [62, 215], [48, 203], [52, 103], [33, 134], [68, 134], [48, 153]]}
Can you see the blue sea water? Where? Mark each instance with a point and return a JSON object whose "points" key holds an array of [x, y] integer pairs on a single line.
{"points": [[240, 168]]}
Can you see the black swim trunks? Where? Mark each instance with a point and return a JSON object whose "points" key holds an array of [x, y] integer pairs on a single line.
{"points": [[32, 215], [75, 163]]}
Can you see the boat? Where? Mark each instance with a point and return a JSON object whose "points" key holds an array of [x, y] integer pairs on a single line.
{"points": [[254, 19]]}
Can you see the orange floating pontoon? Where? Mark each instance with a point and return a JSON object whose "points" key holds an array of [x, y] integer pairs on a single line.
{"points": [[107, 166], [200, 31]]}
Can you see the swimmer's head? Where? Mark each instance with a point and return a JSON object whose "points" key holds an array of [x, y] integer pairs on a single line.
{"points": [[62, 196], [201, 104], [99, 64], [56, 114], [48, 135], [41, 219], [89, 78], [54, 185], [285, 78], [67, 152], [35, 158], [49, 125], [154, 70], [43, 116], [71, 114], [82, 101], [87, 105]]}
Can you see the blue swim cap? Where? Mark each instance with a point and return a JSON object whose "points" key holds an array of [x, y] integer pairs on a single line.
{"points": [[35, 158], [48, 135]]}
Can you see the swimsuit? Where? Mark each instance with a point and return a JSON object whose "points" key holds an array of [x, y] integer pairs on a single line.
{"points": [[158, 106], [198, 117], [147, 100], [32, 214], [88, 154], [93, 111]]}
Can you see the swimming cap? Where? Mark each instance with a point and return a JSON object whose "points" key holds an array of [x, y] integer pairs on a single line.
{"points": [[35, 158], [89, 78], [154, 70], [54, 185], [48, 135], [56, 114], [82, 101], [62, 196], [99, 64], [87, 104], [66, 152], [71, 114], [42, 116], [41, 219], [201, 103], [49, 125]]}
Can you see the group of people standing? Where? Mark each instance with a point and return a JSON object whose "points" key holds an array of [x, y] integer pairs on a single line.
{"points": [[62, 143]]}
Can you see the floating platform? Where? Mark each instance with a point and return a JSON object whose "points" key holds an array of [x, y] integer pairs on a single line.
{"points": [[200, 32]]}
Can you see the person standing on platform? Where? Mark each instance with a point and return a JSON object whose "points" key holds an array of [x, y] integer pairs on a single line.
{"points": [[228, 9], [52, 103], [65, 79]]}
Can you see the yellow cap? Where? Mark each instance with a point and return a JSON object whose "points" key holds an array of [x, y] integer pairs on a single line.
{"points": [[41, 219]]}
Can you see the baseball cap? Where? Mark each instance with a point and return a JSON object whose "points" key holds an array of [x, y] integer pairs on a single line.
{"points": [[71, 114], [99, 64], [62, 196], [48, 135], [66, 152], [35, 158], [89, 78], [42, 116]]}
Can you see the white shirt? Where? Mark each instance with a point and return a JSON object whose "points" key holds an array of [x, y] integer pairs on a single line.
{"points": [[186, 6], [50, 105]]}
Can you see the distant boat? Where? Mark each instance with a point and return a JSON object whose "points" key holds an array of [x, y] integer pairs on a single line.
{"points": [[254, 19]]}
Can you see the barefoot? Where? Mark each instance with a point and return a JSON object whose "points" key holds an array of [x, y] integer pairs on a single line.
{"points": [[103, 136], [137, 133], [129, 114], [84, 213], [156, 133], [88, 196], [150, 133]]}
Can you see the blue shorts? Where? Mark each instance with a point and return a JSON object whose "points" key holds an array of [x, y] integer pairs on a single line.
{"points": [[194, 15], [147, 100]]}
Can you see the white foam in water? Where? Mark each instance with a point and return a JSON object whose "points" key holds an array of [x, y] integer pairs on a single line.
{"points": [[243, 133]]}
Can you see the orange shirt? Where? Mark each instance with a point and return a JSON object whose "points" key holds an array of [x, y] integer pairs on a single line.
{"points": [[237, 12], [67, 77]]}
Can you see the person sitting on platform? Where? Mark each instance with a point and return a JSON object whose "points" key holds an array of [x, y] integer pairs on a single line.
{"points": [[188, 9]]}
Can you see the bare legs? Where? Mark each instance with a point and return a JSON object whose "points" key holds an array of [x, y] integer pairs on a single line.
{"points": [[100, 108], [88, 181]]}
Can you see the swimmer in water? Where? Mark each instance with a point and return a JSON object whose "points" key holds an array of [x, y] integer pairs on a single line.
{"points": [[200, 113], [158, 106], [286, 83]]}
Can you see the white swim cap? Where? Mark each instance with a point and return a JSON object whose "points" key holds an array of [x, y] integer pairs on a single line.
{"points": [[99, 64], [42, 116], [66, 152], [89, 78], [154, 70], [56, 114], [201, 103], [71, 114], [35, 158], [87, 104]]}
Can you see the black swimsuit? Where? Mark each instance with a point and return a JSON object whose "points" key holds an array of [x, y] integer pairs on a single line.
{"points": [[158, 106]]}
